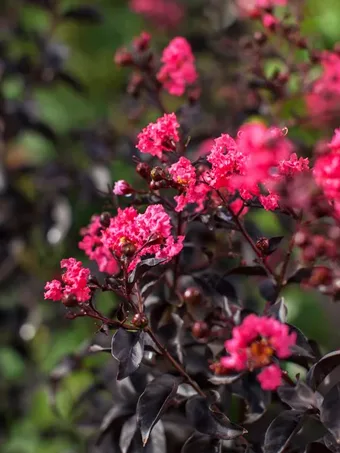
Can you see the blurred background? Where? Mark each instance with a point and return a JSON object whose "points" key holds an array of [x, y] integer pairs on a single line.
{"points": [[67, 132]]}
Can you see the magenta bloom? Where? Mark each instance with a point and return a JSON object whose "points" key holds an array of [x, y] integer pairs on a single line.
{"points": [[255, 342], [74, 282], [135, 235], [178, 70], [159, 136], [193, 190], [293, 165], [270, 377], [243, 164], [327, 170], [324, 97], [164, 13], [255, 8], [122, 187], [93, 247]]}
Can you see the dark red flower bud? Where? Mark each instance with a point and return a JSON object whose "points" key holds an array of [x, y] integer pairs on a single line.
{"points": [[140, 320], [128, 249], [200, 329], [105, 218], [321, 275], [158, 174], [123, 57], [192, 296], [70, 300], [263, 245], [142, 42], [144, 170]]}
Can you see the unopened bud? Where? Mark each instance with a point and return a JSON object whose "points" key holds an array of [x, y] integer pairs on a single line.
{"points": [[143, 169], [70, 300], [123, 57], [263, 245], [105, 218], [192, 296], [140, 320], [122, 187], [200, 329], [128, 249]]}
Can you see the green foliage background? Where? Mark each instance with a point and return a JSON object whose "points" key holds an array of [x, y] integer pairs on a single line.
{"points": [[91, 60]]}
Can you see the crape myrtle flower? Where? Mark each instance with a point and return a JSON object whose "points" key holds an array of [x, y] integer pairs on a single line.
{"points": [[133, 235], [192, 188], [93, 246], [164, 13], [255, 8], [74, 283], [323, 99], [178, 70], [253, 346], [327, 169], [159, 136]]}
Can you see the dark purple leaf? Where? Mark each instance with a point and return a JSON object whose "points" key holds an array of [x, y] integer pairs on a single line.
{"points": [[143, 267], [268, 290], [127, 347], [201, 443], [225, 380], [274, 242], [248, 271], [300, 275], [83, 13], [317, 447], [127, 434], [281, 431], [301, 397], [330, 413], [154, 401], [322, 368], [212, 423], [278, 310], [302, 347]]}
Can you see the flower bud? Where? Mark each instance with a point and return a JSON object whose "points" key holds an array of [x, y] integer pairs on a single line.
{"points": [[158, 174], [143, 169], [200, 329], [105, 218], [122, 187], [260, 37], [142, 42], [192, 296], [128, 249], [140, 320], [123, 57], [70, 300], [321, 275], [263, 245]]}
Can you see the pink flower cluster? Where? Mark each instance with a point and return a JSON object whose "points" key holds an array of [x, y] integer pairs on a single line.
{"points": [[164, 13], [135, 235], [193, 190], [159, 136], [253, 345], [259, 156], [254, 8], [323, 100], [327, 171], [93, 247], [178, 70], [74, 282]]}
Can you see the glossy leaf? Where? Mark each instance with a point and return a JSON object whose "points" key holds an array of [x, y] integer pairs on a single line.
{"points": [[154, 401], [330, 413], [127, 347], [281, 430], [212, 423], [201, 443], [322, 369], [300, 397]]}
